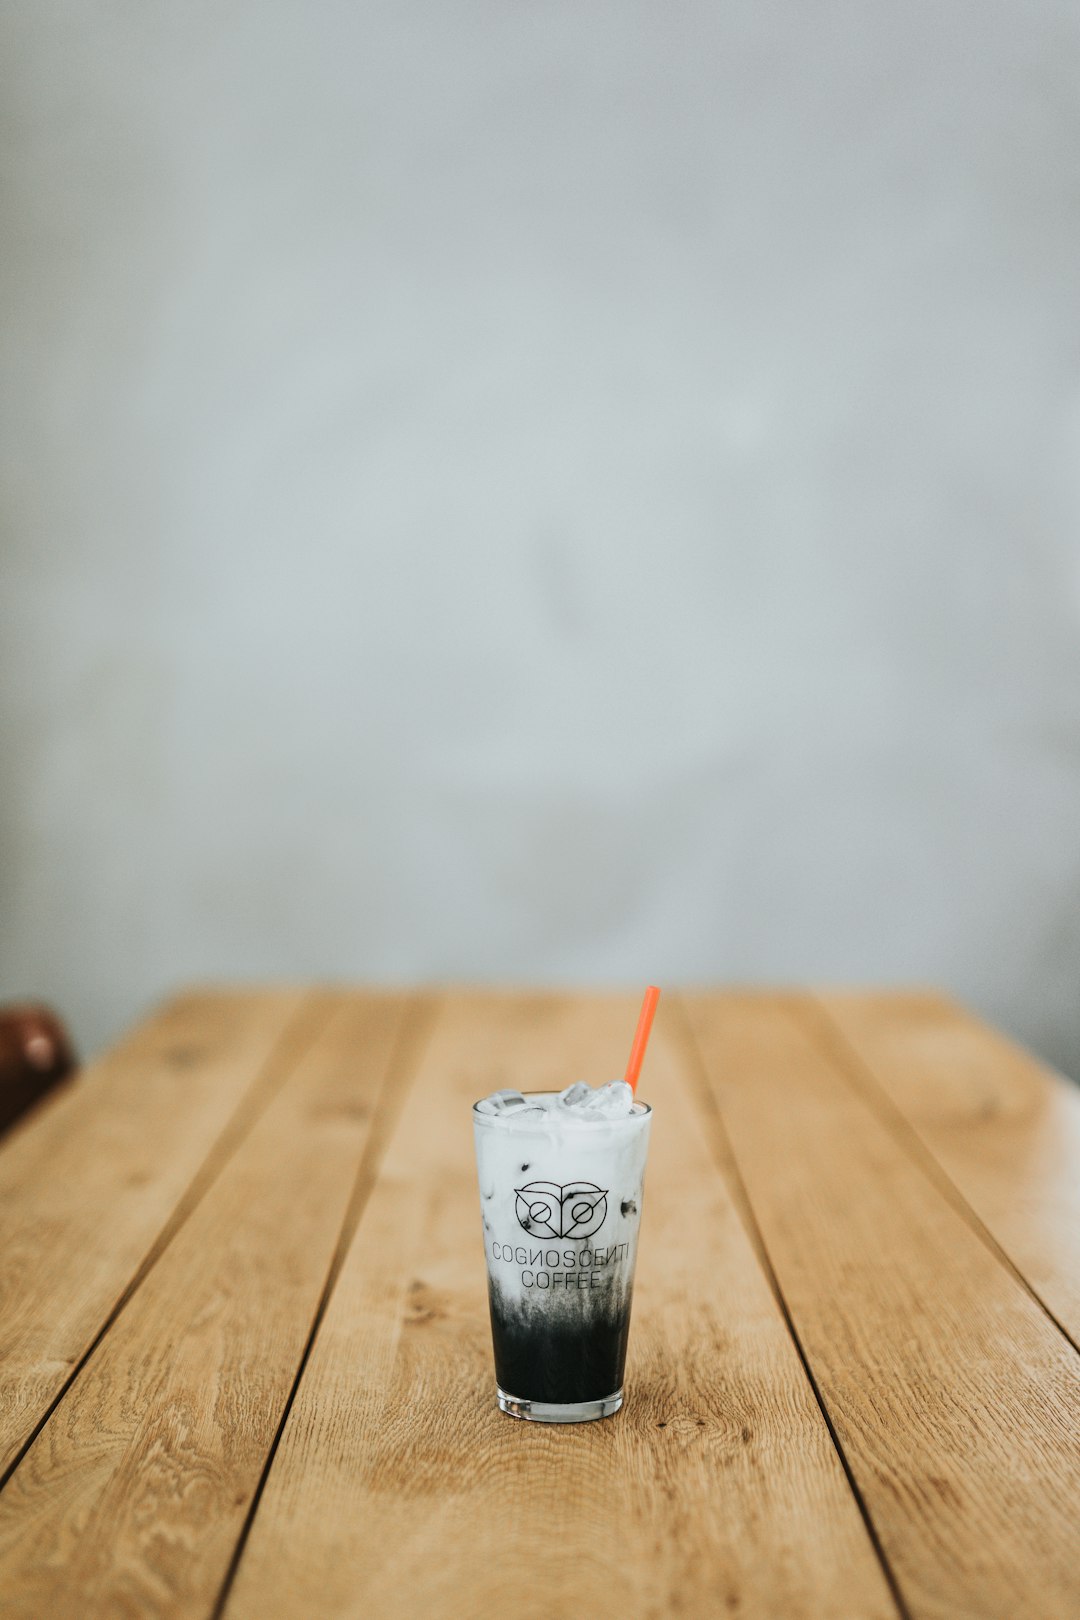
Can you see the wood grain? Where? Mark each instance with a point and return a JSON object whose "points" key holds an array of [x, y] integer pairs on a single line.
{"points": [[955, 1398], [90, 1182], [134, 1494], [1005, 1129], [399, 1490]]}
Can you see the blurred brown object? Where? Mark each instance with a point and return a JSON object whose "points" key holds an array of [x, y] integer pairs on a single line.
{"points": [[35, 1054]]}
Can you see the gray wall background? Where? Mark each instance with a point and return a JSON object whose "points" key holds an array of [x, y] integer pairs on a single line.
{"points": [[541, 491]]}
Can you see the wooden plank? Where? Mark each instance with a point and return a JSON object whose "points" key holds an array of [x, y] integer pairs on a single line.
{"points": [[1005, 1129], [90, 1184], [131, 1500], [399, 1490], [954, 1397]]}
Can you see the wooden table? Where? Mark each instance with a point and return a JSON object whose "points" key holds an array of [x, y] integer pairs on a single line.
{"points": [[246, 1368]]}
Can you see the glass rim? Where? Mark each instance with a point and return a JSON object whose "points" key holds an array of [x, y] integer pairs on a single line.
{"points": [[640, 1111]]}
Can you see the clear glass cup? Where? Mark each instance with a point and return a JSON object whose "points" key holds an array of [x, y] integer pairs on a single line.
{"points": [[561, 1204]]}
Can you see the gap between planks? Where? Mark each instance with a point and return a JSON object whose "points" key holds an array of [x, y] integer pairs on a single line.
{"points": [[403, 1066], [859, 1073], [951, 1392], [143, 1489], [299, 1033], [729, 1169]]}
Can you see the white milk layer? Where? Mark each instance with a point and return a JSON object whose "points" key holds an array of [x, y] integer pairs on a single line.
{"points": [[561, 1203]]}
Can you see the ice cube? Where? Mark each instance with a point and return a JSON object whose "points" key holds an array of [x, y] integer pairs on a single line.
{"points": [[612, 1101], [501, 1102], [574, 1095]]}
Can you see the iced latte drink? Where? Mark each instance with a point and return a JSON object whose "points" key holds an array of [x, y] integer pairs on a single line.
{"points": [[561, 1182]]}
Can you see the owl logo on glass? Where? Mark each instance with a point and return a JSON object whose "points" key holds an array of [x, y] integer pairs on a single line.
{"points": [[546, 1210]]}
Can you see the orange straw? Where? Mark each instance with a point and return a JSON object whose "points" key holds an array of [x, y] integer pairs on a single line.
{"points": [[641, 1036]]}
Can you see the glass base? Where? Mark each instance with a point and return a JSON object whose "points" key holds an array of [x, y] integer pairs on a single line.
{"points": [[546, 1412]]}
